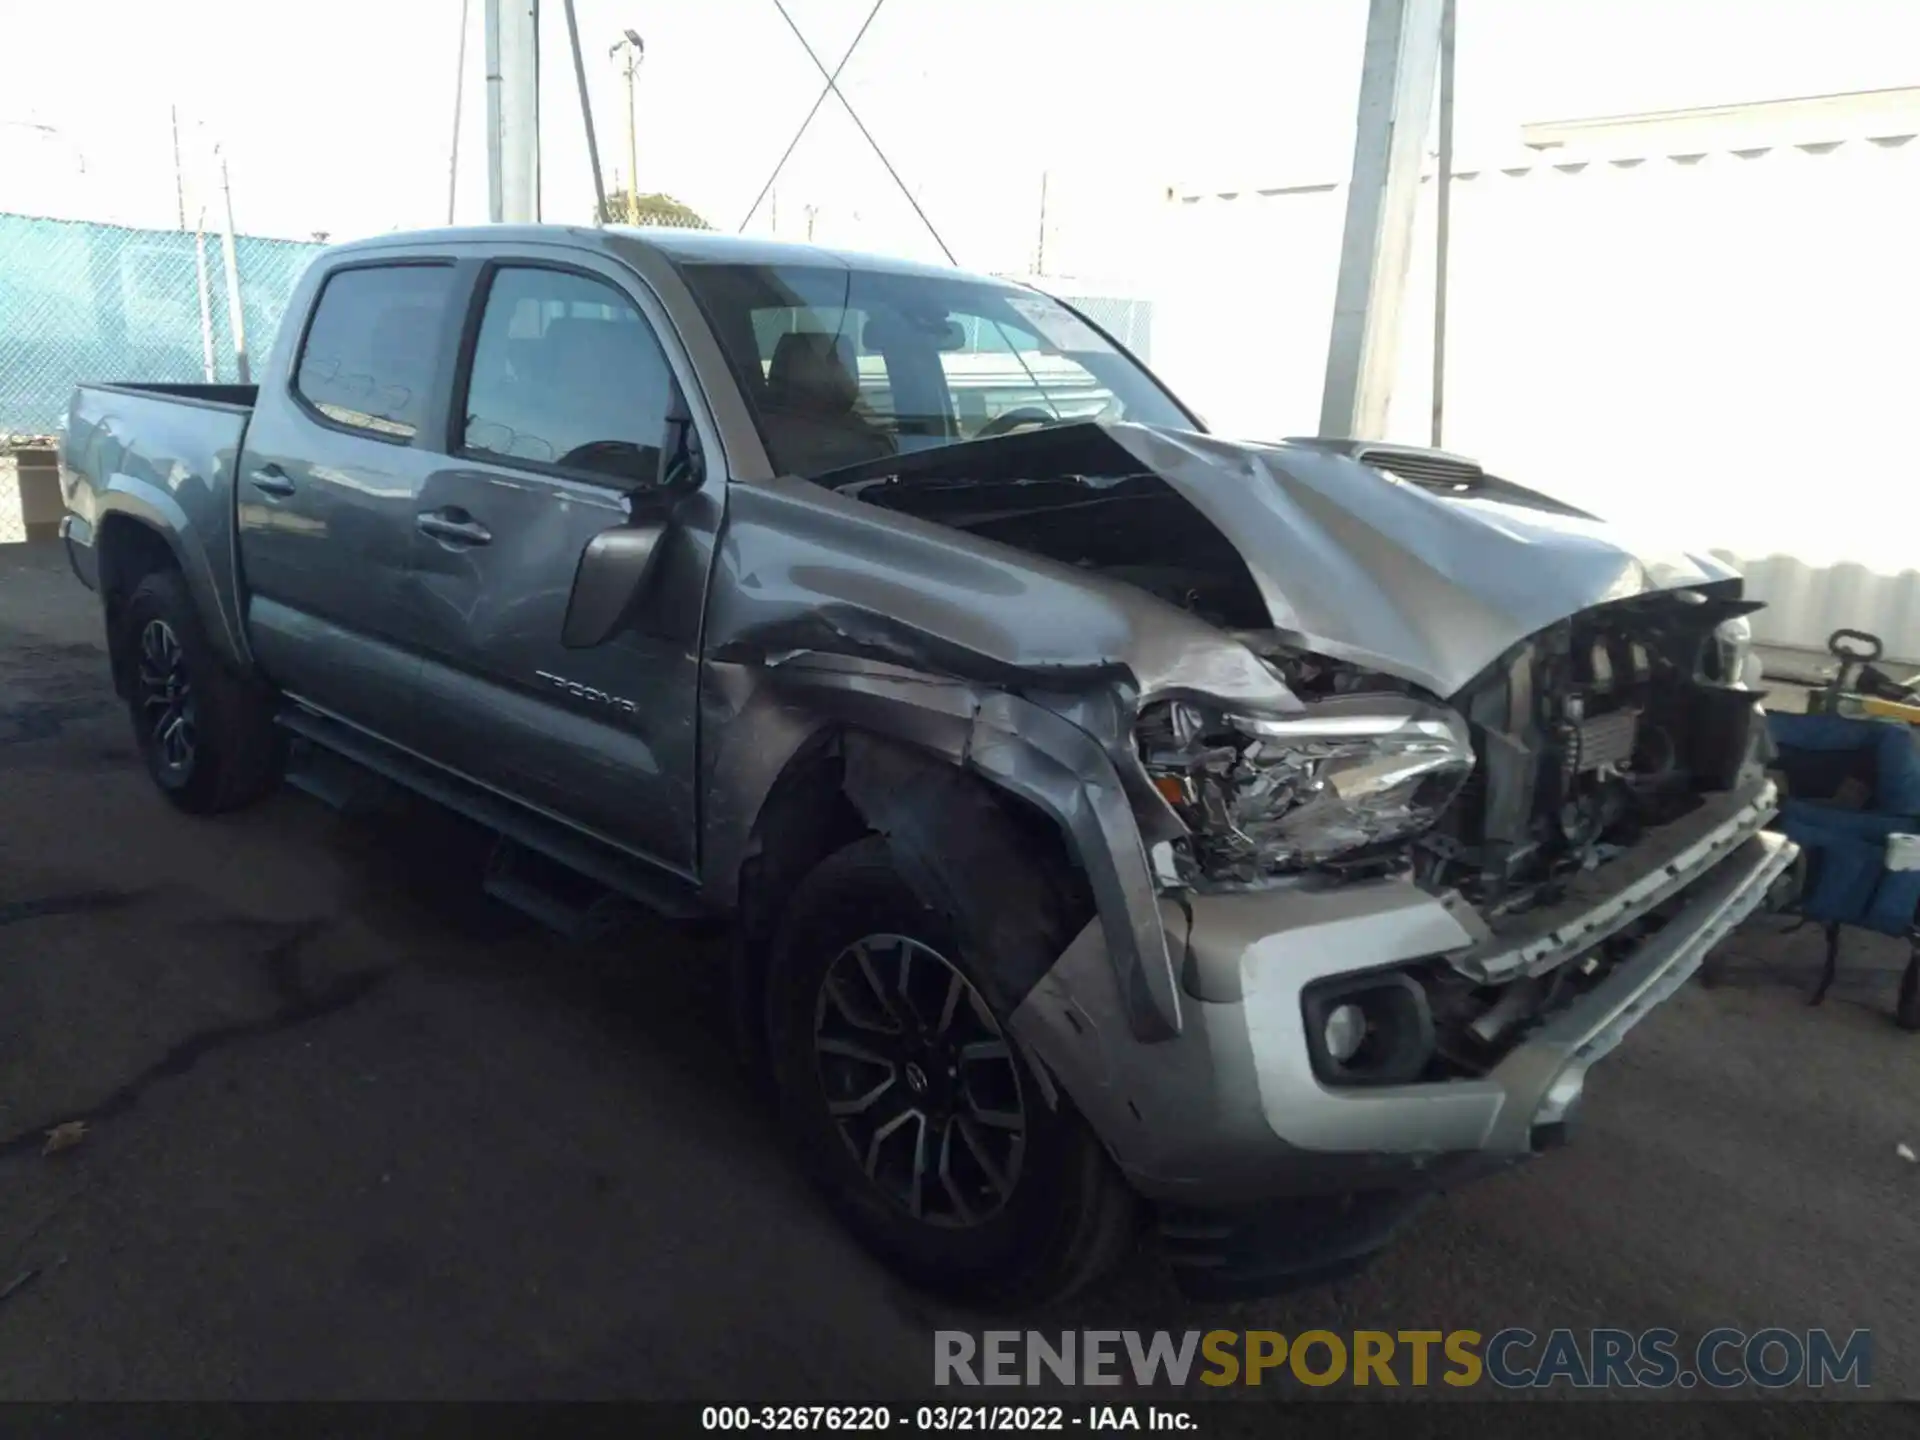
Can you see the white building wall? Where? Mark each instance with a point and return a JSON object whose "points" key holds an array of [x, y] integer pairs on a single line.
{"points": [[1725, 346]]}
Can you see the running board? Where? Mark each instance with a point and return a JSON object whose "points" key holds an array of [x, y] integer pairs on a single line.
{"points": [[590, 859], [333, 780], [556, 895]]}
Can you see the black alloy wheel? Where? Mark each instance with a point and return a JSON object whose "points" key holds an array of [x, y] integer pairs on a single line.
{"points": [[166, 699], [920, 1080]]}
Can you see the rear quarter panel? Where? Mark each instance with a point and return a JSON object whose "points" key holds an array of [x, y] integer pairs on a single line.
{"points": [[167, 463]]}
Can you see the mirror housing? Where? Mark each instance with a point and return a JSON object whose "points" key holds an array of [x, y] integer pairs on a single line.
{"points": [[611, 581], [618, 565]]}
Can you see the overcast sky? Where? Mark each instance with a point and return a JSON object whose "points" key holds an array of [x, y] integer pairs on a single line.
{"points": [[337, 116]]}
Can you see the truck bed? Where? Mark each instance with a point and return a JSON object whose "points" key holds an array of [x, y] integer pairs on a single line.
{"points": [[162, 454], [225, 397]]}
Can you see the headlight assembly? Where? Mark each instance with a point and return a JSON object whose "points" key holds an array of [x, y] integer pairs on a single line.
{"points": [[1262, 795]]}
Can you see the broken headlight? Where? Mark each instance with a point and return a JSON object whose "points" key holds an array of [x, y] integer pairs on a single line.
{"points": [[1262, 795]]}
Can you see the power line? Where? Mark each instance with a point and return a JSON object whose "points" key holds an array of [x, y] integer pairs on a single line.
{"points": [[833, 84], [820, 100]]}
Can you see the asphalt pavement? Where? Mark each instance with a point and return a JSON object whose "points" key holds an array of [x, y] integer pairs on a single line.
{"points": [[342, 1128]]}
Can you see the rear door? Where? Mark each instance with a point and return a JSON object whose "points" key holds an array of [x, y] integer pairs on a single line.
{"points": [[570, 391], [328, 486]]}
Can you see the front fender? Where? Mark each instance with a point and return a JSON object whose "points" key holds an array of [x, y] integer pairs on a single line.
{"points": [[761, 716]]}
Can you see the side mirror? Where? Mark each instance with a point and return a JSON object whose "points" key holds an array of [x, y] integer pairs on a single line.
{"points": [[618, 564], [611, 581]]}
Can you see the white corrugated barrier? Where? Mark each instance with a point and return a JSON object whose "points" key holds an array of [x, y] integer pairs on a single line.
{"points": [[1726, 345]]}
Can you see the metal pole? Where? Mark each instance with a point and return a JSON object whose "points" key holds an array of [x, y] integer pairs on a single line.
{"points": [[459, 94], [179, 178], [1389, 152], [586, 119], [513, 111], [1443, 208], [633, 145], [1040, 250], [236, 315], [496, 188], [207, 362]]}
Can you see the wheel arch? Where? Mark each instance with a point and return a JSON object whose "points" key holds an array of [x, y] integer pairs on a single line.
{"points": [[128, 548], [969, 802]]}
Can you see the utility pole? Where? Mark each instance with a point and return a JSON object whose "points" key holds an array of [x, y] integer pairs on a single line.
{"points": [[1443, 215], [459, 94], [513, 111], [636, 51], [1396, 101], [179, 177], [586, 117], [236, 313], [1040, 250], [207, 362]]}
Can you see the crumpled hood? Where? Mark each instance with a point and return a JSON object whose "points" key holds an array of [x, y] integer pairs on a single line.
{"points": [[1364, 567]]}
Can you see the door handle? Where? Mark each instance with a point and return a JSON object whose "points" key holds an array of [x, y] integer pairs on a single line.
{"points": [[458, 528], [271, 480]]}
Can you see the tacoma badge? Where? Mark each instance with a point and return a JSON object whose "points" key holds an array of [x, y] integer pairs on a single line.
{"points": [[587, 692]]}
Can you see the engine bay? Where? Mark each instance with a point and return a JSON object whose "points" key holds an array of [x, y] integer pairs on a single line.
{"points": [[1586, 736]]}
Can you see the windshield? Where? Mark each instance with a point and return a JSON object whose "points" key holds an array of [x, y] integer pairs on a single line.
{"points": [[844, 366]]}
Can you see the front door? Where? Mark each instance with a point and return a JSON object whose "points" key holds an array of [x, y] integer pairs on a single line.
{"points": [[566, 403], [336, 454]]}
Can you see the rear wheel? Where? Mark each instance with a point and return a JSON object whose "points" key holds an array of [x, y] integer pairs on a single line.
{"points": [[207, 736], [912, 1104]]}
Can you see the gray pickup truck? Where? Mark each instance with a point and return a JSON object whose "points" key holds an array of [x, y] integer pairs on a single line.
{"points": [[1120, 826]]}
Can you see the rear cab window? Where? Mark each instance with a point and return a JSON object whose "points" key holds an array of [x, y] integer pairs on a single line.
{"points": [[372, 347]]}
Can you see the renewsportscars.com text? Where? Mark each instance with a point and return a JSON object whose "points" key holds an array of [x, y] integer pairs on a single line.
{"points": [[1511, 1358]]}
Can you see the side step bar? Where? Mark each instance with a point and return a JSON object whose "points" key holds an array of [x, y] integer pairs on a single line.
{"points": [[560, 898], [523, 872]]}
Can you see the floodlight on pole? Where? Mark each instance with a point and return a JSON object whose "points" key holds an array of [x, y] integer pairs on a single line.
{"points": [[636, 51]]}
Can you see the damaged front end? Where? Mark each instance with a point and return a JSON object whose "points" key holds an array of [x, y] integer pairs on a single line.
{"points": [[1409, 777], [1562, 803], [1339, 788], [1551, 763]]}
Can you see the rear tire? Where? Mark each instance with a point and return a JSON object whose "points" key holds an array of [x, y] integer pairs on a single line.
{"points": [[1013, 1201], [206, 735]]}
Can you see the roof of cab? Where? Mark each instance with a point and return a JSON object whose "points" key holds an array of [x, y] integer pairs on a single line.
{"points": [[679, 247]]}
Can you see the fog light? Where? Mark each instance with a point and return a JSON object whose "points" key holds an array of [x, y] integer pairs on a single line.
{"points": [[1368, 1029], [1346, 1029]]}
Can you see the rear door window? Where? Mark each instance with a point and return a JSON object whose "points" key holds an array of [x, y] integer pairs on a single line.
{"points": [[372, 349]]}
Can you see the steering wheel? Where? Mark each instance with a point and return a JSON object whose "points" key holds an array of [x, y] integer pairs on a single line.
{"points": [[1013, 420]]}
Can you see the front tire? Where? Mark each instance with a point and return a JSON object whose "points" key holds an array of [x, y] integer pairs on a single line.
{"points": [[206, 735], [911, 1103]]}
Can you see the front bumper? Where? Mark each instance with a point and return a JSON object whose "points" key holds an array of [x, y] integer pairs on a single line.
{"points": [[1229, 1111]]}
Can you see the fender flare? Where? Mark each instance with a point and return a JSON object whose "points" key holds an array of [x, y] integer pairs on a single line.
{"points": [[894, 717]]}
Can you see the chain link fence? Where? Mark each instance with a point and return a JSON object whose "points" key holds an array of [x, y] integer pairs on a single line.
{"points": [[82, 301], [1130, 321]]}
